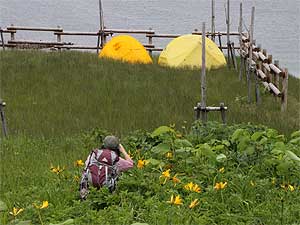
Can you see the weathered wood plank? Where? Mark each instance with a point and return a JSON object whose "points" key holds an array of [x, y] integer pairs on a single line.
{"points": [[14, 28], [274, 89]]}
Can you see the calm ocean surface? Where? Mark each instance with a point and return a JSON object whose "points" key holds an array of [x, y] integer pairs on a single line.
{"points": [[276, 21]]}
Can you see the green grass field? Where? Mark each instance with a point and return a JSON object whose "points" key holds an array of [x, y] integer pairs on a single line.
{"points": [[61, 105], [54, 94]]}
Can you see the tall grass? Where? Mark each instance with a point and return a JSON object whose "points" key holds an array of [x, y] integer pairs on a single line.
{"points": [[55, 94]]}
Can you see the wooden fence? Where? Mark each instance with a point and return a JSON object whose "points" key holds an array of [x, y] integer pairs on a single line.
{"points": [[255, 60], [150, 35]]}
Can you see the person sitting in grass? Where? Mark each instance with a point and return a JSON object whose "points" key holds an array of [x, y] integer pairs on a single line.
{"points": [[103, 166]]}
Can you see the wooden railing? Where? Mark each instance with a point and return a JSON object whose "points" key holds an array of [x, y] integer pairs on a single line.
{"points": [[149, 34], [272, 77]]}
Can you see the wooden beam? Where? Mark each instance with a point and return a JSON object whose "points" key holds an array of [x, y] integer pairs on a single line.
{"points": [[77, 33], [276, 70], [14, 28], [266, 85], [261, 74], [211, 108], [262, 57], [8, 31], [38, 43], [121, 31], [274, 89], [163, 35]]}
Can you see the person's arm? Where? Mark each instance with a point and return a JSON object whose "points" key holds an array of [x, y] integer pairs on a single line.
{"points": [[124, 164], [123, 151]]}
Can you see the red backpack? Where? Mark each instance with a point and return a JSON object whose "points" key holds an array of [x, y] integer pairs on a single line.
{"points": [[101, 170]]}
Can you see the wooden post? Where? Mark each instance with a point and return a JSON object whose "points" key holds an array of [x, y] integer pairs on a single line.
{"points": [[58, 39], [284, 91], [4, 128], [267, 72], [240, 40], [276, 78], [257, 93], [2, 39], [101, 31], [220, 41], [150, 42], [213, 28], [197, 111], [228, 31], [250, 55], [203, 78], [233, 57], [222, 109], [98, 43], [12, 34]]}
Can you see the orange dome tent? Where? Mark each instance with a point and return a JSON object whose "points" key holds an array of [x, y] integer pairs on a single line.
{"points": [[125, 48]]}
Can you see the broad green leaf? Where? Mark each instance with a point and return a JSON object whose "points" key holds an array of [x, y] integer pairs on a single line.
{"points": [[206, 150], [67, 222], [226, 143], [250, 150], [280, 137], [283, 167], [280, 145], [263, 141], [276, 151], [243, 143], [256, 136], [292, 156], [295, 140], [221, 158], [295, 134], [183, 150], [181, 143], [218, 147], [271, 133], [160, 130], [154, 162], [3, 206], [162, 148], [235, 136]]}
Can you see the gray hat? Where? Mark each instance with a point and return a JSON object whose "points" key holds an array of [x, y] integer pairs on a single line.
{"points": [[111, 142]]}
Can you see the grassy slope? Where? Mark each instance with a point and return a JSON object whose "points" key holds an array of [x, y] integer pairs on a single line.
{"points": [[53, 94]]}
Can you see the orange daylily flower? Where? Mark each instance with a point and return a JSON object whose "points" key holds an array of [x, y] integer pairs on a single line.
{"points": [[57, 170], [175, 180], [194, 203], [142, 163], [192, 187], [79, 163], [221, 170], [220, 185], [43, 206], [16, 211], [169, 155], [176, 201]]}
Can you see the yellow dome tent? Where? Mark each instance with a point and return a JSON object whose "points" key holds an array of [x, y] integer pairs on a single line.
{"points": [[186, 51], [125, 48]]}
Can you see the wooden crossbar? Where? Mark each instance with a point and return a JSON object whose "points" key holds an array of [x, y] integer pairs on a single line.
{"points": [[15, 28]]}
